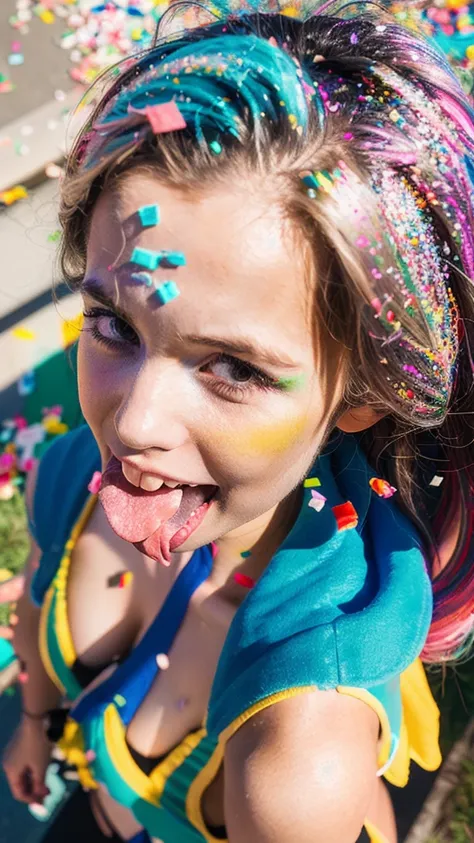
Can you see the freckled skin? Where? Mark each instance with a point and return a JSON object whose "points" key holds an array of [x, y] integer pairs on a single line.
{"points": [[243, 276]]}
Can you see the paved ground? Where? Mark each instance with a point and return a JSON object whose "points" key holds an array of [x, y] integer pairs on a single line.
{"points": [[44, 70], [27, 276]]}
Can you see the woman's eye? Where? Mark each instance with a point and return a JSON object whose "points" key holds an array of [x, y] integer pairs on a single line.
{"points": [[232, 378], [232, 369], [110, 329]]}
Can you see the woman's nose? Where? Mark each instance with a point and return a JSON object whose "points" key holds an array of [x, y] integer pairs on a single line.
{"points": [[152, 414]]}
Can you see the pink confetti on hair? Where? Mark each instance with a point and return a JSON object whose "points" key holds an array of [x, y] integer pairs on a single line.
{"points": [[354, 38], [362, 242], [348, 136], [377, 305], [90, 756], [95, 482], [165, 118], [273, 41], [244, 580]]}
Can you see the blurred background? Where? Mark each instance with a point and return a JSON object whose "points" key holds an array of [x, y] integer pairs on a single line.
{"points": [[50, 52]]}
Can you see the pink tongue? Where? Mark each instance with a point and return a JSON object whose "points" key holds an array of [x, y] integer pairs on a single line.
{"points": [[133, 513]]}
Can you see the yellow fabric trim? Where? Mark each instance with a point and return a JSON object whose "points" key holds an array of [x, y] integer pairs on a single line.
{"points": [[149, 788], [61, 621], [196, 791], [260, 706], [123, 762], [420, 727], [376, 705], [43, 639], [166, 768], [72, 745], [375, 835]]}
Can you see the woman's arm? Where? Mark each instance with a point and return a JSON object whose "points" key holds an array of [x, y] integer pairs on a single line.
{"points": [[27, 756], [303, 769]]}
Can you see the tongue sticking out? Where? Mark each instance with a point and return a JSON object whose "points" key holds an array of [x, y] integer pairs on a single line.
{"points": [[131, 512], [149, 520]]}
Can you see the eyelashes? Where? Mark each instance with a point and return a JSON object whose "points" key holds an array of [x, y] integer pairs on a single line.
{"points": [[235, 378]]}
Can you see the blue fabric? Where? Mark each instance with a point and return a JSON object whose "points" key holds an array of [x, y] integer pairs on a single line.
{"points": [[133, 678], [333, 608], [141, 837], [60, 494]]}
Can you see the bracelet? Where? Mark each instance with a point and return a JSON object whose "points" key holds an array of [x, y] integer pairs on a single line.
{"points": [[32, 716]]}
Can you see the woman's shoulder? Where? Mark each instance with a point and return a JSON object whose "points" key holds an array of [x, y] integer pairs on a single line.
{"points": [[315, 750]]}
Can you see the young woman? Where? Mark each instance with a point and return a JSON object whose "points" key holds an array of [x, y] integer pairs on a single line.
{"points": [[270, 222]]}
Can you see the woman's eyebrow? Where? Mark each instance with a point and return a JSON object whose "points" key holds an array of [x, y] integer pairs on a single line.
{"points": [[238, 345], [93, 288], [242, 345]]}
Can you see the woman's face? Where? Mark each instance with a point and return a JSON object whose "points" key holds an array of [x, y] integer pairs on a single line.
{"points": [[218, 387]]}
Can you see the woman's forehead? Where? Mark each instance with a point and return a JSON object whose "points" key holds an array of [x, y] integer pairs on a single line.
{"points": [[243, 262]]}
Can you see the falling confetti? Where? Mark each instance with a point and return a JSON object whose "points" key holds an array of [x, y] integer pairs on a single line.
{"points": [[244, 580], [381, 487]]}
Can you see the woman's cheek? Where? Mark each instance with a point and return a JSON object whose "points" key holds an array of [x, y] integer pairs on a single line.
{"points": [[274, 438]]}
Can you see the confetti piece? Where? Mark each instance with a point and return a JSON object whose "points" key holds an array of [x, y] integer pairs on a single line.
{"points": [[13, 619], [23, 677], [54, 427], [167, 292], [165, 118], [245, 554], [310, 482], [436, 480], [146, 257], [120, 700], [21, 333], [126, 579], [162, 661], [142, 278], [15, 59], [381, 487], [90, 756], [244, 580], [215, 147], [27, 384], [149, 215], [5, 575], [53, 171], [182, 703], [214, 550], [71, 330], [172, 259], [346, 516], [54, 236], [95, 481], [317, 501]]}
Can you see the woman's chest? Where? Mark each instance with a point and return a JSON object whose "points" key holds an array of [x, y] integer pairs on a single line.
{"points": [[109, 615]]}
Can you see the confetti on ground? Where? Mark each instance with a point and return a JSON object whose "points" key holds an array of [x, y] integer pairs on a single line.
{"points": [[9, 197], [22, 333], [436, 480]]}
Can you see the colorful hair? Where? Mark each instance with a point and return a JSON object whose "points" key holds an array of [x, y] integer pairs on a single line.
{"points": [[369, 141]]}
